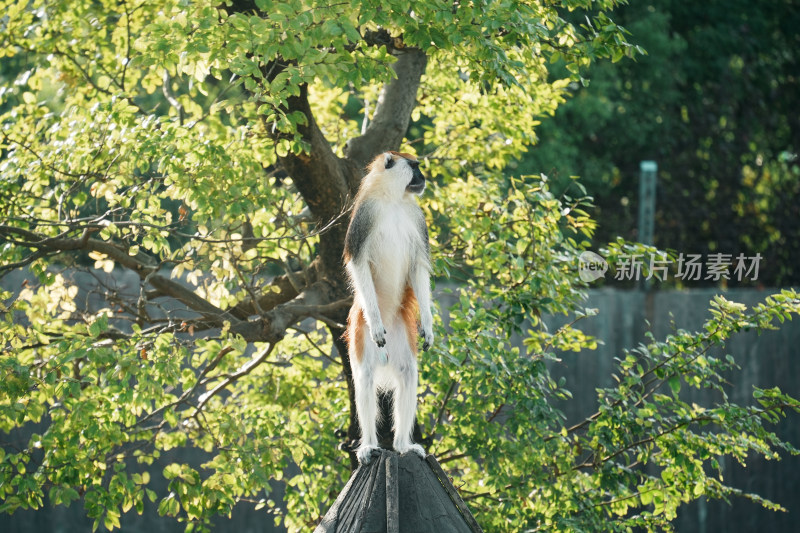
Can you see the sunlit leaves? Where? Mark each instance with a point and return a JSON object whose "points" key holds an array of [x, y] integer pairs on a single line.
{"points": [[491, 406]]}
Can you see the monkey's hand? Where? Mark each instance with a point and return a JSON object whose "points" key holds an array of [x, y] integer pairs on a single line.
{"points": [[427, 338], [379, 335]]}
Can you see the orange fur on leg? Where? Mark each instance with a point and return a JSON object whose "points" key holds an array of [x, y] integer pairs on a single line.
{"points": [[356, 326], [409, 309]]}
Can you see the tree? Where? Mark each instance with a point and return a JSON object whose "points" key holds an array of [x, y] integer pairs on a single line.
{"points": [[210, 153]]}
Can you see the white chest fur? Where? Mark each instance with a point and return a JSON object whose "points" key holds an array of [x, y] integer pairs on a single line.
{"points": [[395, 245]]}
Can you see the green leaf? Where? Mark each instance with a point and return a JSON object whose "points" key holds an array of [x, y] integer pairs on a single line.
{"points": [[675, 384]]}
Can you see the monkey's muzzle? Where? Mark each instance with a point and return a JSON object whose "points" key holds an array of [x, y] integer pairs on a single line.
{"points": [[417, 183]]}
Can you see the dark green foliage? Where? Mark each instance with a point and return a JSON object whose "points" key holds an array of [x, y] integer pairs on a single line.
{"points": [[714, 102]]}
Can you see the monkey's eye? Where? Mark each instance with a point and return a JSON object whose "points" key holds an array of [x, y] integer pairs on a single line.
{"points": [[390, 163]]}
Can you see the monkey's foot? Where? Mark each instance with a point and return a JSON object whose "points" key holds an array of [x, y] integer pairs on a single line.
{"points": [[365, 454], [410, 447]]}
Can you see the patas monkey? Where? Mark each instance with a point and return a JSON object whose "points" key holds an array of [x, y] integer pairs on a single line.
{"points": [[388, 259]]}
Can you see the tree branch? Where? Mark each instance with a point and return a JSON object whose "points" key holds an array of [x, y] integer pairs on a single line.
{"points": [[144, 266], [319, 299], [393, 111], [324, 180], [243, 371], [318, 174]]}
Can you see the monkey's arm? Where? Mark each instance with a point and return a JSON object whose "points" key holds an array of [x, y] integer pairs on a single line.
{"points": [[357, 257], [421, 284], [361, 276]]}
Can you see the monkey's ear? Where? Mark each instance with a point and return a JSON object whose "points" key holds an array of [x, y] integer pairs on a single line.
{"points": [[388, 160]]}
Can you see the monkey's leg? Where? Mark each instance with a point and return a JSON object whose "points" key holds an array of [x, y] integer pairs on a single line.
{"points": [[366, 402], [404, 366]]}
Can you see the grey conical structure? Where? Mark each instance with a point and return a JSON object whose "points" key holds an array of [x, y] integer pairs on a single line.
{"points": [[399, 494]]}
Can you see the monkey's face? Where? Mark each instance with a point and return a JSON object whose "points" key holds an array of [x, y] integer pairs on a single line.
{"points": [[402, 170]]}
